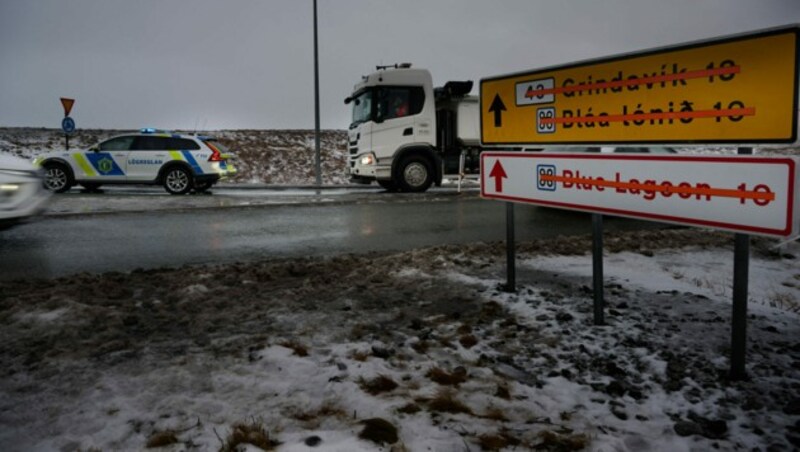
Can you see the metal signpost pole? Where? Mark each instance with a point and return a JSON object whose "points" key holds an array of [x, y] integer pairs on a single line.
{"points": [[510, 248], [597, 267], [741, 269], [316, 102]]}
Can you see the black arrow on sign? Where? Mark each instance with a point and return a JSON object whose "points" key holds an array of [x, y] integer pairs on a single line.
{"points": [[498, 108]]}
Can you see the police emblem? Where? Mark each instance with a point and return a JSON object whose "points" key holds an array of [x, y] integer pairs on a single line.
{"points": [[105, 165]]}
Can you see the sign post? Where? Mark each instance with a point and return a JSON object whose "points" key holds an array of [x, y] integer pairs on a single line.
{"points": [[735, 89], [597, 268], [67, 124], [742, 194], [741, 270]]}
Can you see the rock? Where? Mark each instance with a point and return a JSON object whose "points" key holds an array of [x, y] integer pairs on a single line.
{"points": [[687, 428], [382, 352], [752, 404], [313, 441], [716, 429], [615, 389], [564, 317], [710, 428], [619, 413], [793, 407]]}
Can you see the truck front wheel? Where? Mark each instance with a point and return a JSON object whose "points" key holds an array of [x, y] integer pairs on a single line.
{"points": [[415, 174]]}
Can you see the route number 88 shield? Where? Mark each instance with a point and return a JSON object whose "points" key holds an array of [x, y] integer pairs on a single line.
{"points": [[548, 113], [545, 170]]}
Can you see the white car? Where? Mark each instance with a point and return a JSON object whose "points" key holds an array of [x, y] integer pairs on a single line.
{"points": [[22, 194], [178, 162]]}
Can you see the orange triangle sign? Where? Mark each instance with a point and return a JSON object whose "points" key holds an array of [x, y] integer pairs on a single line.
{"points": [[67, 103]]}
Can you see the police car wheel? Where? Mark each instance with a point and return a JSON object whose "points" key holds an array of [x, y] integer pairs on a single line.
{"points": [[177, 181], [57, 177]]}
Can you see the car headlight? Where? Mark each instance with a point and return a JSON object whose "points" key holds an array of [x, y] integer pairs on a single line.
{"points": [[368, 159]]}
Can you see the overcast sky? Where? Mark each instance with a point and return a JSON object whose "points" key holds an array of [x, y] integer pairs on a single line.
{"points": [[215, 64]]}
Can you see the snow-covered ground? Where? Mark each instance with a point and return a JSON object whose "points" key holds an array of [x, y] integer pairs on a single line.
{"points": [[410, 351]]}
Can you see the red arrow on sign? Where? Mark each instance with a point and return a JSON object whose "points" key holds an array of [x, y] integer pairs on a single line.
{"points": [[499, 174]]}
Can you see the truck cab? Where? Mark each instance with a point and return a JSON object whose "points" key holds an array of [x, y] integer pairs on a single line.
{"points": [[404, 133]]}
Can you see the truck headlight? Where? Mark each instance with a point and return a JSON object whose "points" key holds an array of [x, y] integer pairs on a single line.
{"points": [[368, 159]]}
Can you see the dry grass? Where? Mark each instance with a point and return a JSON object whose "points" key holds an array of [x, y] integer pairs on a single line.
{"points": [[468, 341], [502, 392], [379, 431], [410, 408], [445, 402], [552, 441], [359, 355], [298, 349], [420, 347], [783, 300], [252, 433], [438, 375], [497, 441], [161, 439], [377, 385], [327, 410], [496, 414]]}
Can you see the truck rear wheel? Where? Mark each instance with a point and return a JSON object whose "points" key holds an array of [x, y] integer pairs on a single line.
{"points": [[415, 174]]}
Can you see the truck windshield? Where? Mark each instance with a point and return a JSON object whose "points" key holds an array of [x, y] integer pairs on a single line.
{"points": [[362, 108]]}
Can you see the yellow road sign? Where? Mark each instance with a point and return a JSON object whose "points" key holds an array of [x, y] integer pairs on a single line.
{"points": [[740, 89]]}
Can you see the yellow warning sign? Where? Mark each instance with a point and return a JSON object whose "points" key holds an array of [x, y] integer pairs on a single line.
{"points": [[740, 89]]}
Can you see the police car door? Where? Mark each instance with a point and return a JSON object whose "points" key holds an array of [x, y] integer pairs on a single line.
{"points": [[146, 158], [105, 162]]}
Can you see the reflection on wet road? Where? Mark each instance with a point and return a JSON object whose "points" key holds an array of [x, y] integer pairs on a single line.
{"points": [[61, 245]]}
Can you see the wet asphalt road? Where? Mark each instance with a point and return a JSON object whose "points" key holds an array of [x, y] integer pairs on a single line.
{"points": [[125, 230]]}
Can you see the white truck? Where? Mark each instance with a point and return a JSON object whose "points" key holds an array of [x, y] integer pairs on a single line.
{"points": [[406, 135]]}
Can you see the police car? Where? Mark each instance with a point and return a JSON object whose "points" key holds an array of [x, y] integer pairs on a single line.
{"points": [[180, 163]]}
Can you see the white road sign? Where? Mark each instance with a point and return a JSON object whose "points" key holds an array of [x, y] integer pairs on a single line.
{"points": [[754, 195]]}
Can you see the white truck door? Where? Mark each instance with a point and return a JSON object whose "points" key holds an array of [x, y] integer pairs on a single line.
{"points": [[394, 120]]}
